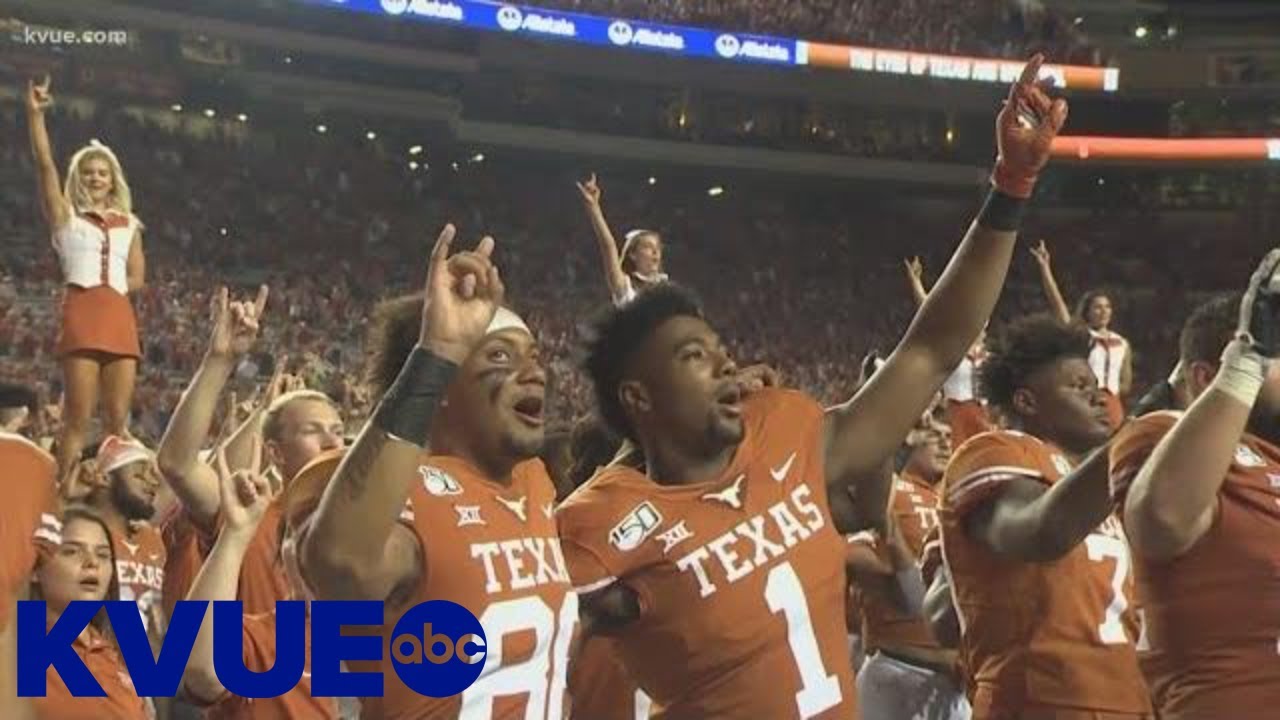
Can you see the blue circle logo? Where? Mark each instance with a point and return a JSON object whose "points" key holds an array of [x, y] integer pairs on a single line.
{"points": [[438, 648]]}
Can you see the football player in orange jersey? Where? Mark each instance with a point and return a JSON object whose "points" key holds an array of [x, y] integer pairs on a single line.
{"points": [[442, 495], [720, 567], [907, 672], [1200, 492], [1039, 568]]}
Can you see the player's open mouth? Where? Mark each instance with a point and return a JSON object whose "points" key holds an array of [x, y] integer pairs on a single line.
{"points": [[729, 401], [529, 410], [90, 584]]}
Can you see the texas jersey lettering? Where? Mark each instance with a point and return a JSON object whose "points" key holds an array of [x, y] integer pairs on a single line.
{"points": [[914, 507], [1056, 634], [740, 579], [1212, 616], [140, 561], [493, 550]]}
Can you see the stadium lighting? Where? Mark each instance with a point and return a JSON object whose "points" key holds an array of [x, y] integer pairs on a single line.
{"points": [[477, 158], [951, 136], [222, 231], [653, 180], [1079, 20], [371, 135], [454, 166], [322, 129], [208, 112], [413, 164], [175, 107], [242, 117], [1140, 32], [415, 150], [288, 59], [715, 191]]}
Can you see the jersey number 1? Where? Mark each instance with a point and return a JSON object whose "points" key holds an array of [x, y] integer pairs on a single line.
{"points": [[819, 691]]}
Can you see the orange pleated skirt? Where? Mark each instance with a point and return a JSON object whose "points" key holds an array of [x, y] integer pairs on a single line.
{"points": [[98, 319]]}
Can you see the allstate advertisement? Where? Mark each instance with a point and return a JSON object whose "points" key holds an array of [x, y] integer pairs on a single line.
{"points": [[583, 29]]}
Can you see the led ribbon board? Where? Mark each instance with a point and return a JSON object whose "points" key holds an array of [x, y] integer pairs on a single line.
{"points": [[695, 42]]}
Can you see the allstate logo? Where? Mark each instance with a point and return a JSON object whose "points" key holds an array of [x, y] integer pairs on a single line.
{"points": [[728, 46], [395, 7], [620, 32], [510, 18], [438, 648]]}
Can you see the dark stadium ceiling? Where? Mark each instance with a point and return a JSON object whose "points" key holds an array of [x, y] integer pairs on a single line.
{"points": [[1173, 24]]}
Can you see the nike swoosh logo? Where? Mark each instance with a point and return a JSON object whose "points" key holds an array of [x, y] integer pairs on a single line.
{"points": [[780, 473]]}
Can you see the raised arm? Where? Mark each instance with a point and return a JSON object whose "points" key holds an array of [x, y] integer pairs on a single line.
{"points": [[239, 442], [915, 279], [355, 548], [605, 242], [235, 327], [1173, 499], [1034, 523], [868, 428], [52, 204], [1050, 283], [136, 269], [244, 497]]}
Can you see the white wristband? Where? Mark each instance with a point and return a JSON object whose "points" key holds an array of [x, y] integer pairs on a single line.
{"points": [[1242, 373]]}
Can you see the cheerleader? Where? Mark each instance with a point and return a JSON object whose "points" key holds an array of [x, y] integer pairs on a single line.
{"points": [[1109, 355], [966, 414], [99, 244], [638, 266]]}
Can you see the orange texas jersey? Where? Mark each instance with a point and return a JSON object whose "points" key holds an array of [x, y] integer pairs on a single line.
{"points": [[914, 506], [741, 578], [1212, 615], [1058, 634], [30, 500], [140, 560], [494, 550]]}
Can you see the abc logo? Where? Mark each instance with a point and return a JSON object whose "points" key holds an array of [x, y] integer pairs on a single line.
{"points": [[395, 7], [510, 18], [728, 46], [620, 32], [438, 648]]}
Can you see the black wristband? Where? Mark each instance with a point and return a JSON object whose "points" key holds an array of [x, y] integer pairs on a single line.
{"points": [[1002, 212], [406, 410]]}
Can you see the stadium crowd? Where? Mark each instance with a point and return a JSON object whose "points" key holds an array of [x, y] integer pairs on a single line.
{"points": [[354, 217], [813, 495], [1001, 29]]}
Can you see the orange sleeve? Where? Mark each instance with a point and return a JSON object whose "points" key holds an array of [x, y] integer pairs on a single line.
{"points": [[982, 467], [1131, 448], [30, 502], [600, 543], [589, 568]]}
